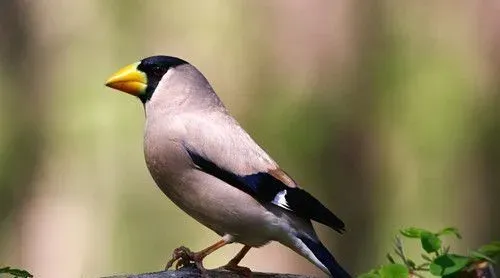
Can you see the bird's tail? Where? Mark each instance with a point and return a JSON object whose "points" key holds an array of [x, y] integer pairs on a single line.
{"points": [[317, 253]]}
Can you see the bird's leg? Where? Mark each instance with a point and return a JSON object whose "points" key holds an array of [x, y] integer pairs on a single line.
{"points": [[233, 266], [182, 256]]}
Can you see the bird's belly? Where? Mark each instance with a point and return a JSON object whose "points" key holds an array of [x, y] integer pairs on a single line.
{"points": [[222, 208], [212, 202]]}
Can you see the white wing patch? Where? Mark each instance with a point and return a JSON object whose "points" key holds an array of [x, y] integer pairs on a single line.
{"points": [[280, 200]]}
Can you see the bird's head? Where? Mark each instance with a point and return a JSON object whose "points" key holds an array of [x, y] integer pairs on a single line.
{"points": [[141, 78]]}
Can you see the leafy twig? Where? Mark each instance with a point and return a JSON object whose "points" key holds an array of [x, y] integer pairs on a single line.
{"points": [[438, 260]]}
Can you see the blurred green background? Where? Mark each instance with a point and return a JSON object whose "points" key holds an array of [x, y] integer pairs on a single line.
{"points": [[387, 111]]}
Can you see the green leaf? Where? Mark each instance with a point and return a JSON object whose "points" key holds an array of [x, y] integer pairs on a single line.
{"points": [[448, 264], [4, 269], [394, 271], [430, 242], [491, 250], [450, 231], [412, 232], [481, 257]]}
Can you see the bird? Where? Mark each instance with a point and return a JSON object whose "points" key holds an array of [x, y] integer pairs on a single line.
{"points": [[210, 167]]}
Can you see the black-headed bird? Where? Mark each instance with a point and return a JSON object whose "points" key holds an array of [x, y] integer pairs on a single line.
{"points": [[204, 161]]}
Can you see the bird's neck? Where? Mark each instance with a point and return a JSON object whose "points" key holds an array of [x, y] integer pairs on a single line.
{"points": [[178, 93]]}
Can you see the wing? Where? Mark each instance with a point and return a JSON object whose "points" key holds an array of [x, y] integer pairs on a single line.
{"points": [[273, 187], [239, 161]]}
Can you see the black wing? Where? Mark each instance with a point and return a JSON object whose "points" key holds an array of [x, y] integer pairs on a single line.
{"points": [[270, 188]]}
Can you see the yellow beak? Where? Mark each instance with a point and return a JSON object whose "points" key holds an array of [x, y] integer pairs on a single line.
{"points": [[129, 80]]}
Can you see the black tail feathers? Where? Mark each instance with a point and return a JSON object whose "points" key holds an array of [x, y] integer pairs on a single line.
{"points": [[305, 205], [325, 257]]}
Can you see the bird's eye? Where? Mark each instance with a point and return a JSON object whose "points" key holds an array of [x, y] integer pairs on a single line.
{"points": [[158, 71]]}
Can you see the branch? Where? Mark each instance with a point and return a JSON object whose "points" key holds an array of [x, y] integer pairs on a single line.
{"points": [[191, 272]]}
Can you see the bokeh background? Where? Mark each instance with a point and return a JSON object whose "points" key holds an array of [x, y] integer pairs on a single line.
{"points": [[387, 111]]}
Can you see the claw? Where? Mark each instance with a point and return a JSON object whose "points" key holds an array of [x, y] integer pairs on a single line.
{"points": [[183, 257]]}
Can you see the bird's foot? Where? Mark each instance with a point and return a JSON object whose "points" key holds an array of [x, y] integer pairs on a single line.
{"points": [[240, 270], [183, 257]]}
